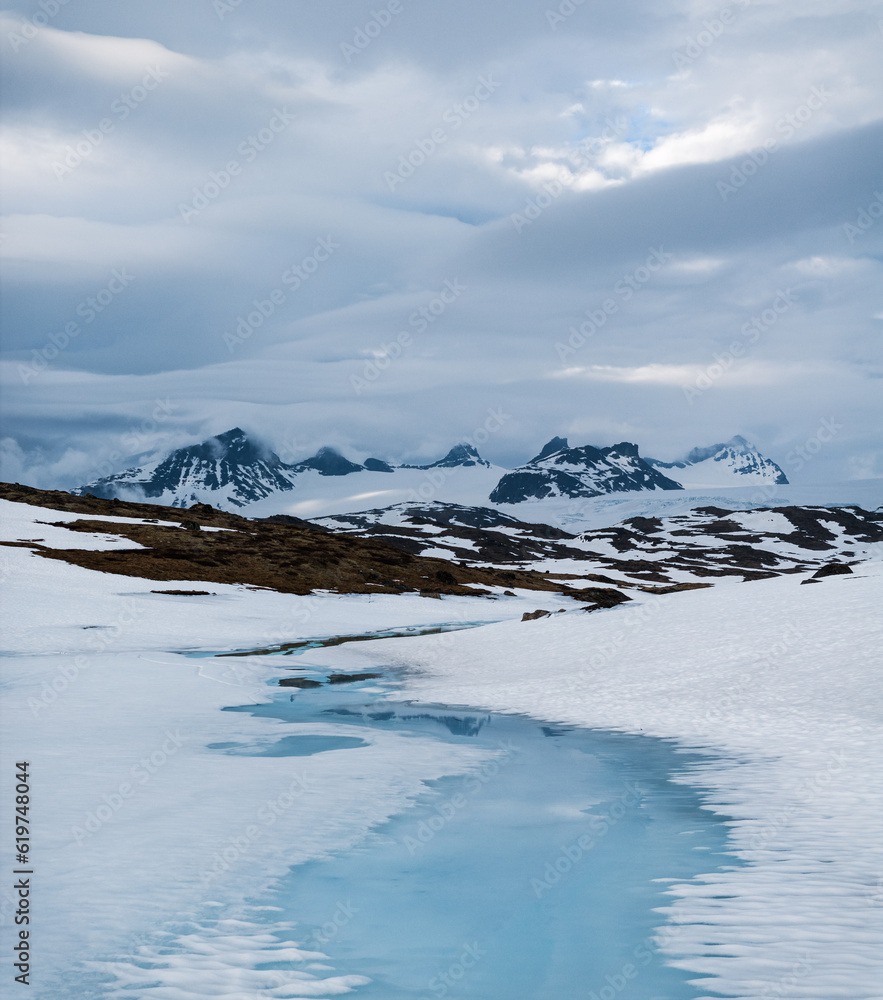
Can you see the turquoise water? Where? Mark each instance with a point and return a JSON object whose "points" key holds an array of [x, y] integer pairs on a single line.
{"points": [[292, 746], [530, 879]]}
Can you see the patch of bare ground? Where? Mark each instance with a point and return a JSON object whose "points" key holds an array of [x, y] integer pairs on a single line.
{"points": [[295, 558]]}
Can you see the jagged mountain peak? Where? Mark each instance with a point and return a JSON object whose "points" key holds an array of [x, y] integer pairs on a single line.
{"points": [[228, 437], [460, 454], [228, 468], [586, 471], [551, 447], [234, 446], [624, 448]]}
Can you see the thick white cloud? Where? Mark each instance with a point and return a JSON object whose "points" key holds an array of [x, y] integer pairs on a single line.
{"points": [[619, 198]]}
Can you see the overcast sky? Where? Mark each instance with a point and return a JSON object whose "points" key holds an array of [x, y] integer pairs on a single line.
{"points": [[380, 225]]}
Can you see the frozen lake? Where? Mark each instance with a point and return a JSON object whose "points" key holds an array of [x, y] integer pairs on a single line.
{"points": [[536, 876], [532, 865]]}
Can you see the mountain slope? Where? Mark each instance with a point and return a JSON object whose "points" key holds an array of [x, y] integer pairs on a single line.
{"points": [[705, 545], [460, 455], [231, 471], [580, 472], [229, 468], [734, 463]]}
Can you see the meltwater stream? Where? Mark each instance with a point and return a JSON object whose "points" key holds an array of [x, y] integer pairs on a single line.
{"points": [[535, 877]]}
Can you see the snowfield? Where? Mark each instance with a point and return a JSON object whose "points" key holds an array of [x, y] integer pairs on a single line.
{"points": [[143, 835], [781, 684]]}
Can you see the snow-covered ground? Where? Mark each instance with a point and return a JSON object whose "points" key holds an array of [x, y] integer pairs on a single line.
{"points": [[316, 495], [601, 512], [142, 835], [782, 685], [137, 827], [319, 496]]}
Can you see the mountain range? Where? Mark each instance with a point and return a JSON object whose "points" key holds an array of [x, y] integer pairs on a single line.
{"points": [[233, 471]]}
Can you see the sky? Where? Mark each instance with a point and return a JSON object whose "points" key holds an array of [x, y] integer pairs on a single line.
{"points": [[390, 226]]}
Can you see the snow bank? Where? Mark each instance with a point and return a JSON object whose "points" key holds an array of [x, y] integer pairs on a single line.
{"points": [[142, 834], [781, 685]]}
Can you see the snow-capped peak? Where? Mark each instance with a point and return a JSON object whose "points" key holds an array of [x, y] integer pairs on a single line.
{"points": [[460, 454], [736, 462], [559, 470]]}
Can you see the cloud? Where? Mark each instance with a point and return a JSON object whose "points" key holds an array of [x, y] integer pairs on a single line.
{"points": [[538, 167]]}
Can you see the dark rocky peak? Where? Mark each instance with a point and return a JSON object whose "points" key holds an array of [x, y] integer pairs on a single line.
{"points": [[580, 472], [550, 448], [329, 462], [376, 465], [625, 449], [233, 446], [460, 454]]}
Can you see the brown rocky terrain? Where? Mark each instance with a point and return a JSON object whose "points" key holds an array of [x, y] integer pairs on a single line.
{"points": [[283, 554]]}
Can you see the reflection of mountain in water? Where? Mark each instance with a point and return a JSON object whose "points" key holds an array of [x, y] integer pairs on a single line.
{"points": [[556, 730], [457, 725]]}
